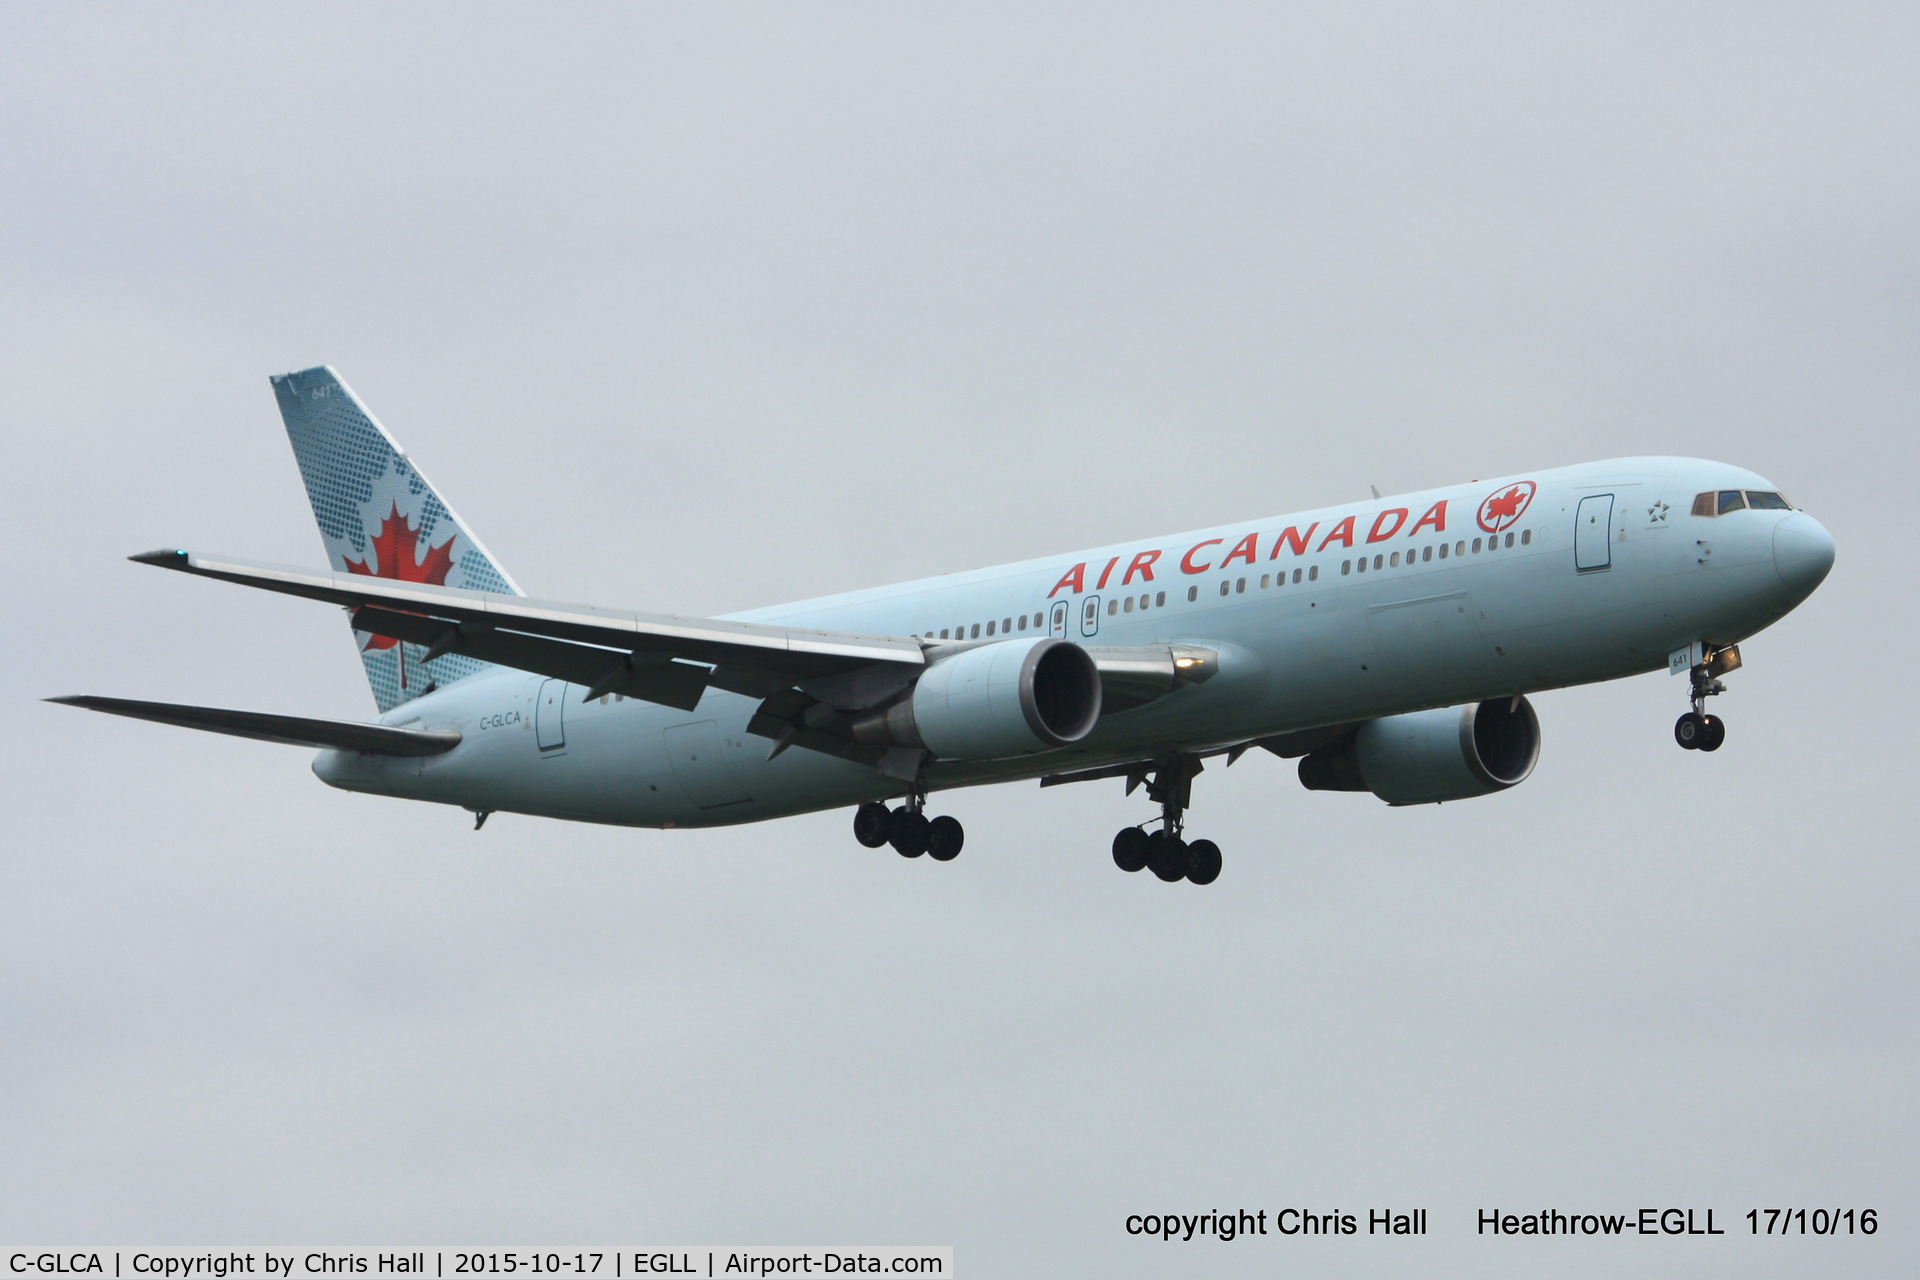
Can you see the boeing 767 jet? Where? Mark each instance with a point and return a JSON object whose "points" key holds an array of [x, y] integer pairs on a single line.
{"points": [[1388, 646]]}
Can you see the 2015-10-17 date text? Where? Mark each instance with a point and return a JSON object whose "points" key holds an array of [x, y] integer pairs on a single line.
{"points": [[579, 1264]]}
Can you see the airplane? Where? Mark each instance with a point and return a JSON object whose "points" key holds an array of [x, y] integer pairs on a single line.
{"points": [[1388, 646]]}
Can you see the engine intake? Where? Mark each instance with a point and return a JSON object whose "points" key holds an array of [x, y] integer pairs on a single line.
{"points": [[1426, 757], [1013, 698]]}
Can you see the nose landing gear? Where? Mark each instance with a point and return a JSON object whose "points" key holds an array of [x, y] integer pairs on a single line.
{"points": [[1165, 852], [1696, 730], [909, 830]]}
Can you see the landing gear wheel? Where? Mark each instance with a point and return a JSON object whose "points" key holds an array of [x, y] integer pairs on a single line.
{"points": [[1203, 862], [1167, 856], [1690, 730], [909, 833], [1130, 849], [945, 835], [1713, 733], [872, 824]]}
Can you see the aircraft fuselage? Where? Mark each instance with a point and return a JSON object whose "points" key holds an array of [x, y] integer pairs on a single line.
{"points": [[1346, 613]]}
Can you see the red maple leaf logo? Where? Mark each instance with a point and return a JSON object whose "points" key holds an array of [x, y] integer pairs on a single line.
{"points": [[1502, 509], [394, 548]]}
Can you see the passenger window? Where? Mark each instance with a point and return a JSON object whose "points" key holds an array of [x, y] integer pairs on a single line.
{"points": [[1113, 607], [1345, 567], [1526, 536], [1377, 560], [1476, 546], [1296, 574], [1443, 551], [1395, 562], [1129, 605], [1731, 500], [1240, 585], [1426, 553], [1460, 548], [1313, 574], [1361, 565], [989, 628], [976, 631], [1509, 540], [1159, 599], [1006, 625], [1023, 622], [1225, 586], [943, 633], [1767, 501], [1193, 593], [1145, 601], [1264, 579]]}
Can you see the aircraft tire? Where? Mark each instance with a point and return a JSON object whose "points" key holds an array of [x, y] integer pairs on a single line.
{"points": [[1713, 733], [1203, 862], [909, 833], [1688, 730], [945, 836], [1130, 849], [872, 824], [1167, 856]]}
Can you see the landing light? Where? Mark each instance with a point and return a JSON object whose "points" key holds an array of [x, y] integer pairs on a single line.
{"points": [[1186, 662]]}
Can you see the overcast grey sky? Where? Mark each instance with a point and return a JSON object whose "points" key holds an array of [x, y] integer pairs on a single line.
{"points": [[703, 307]]}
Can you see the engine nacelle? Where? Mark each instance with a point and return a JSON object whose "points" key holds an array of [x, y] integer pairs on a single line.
{"points": [[1012, 698], [1425, 757]]}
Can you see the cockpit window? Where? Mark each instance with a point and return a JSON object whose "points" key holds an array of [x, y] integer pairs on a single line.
{"points": [[1725, 500]]}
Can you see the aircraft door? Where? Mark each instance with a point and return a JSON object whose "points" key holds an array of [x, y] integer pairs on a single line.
{"points": [[1057, 624], [550, 715], [1090, 616], [1592, 523]]}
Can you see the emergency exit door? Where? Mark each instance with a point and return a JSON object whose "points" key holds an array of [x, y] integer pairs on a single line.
{"points": [[1591, 548]]}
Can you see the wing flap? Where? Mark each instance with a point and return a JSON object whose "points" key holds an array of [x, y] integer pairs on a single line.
{"points": [[295, 731], [656, 678]]}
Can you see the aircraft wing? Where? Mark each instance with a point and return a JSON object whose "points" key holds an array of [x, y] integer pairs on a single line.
{"points": [[657, 657], [297, 731], [808, 681]]}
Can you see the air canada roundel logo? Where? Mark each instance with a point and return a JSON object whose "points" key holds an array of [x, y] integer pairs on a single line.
{"points": [[1505, 505]]}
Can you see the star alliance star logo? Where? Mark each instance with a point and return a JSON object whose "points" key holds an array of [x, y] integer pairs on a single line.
{"points": [[1657, 513]]}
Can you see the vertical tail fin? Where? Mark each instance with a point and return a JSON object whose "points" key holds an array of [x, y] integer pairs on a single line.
{"points": [[379, 516]]}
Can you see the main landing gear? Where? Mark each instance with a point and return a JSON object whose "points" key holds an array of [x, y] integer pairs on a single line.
{"points": [[1165, 852], [1696, 730], [909, 830]]}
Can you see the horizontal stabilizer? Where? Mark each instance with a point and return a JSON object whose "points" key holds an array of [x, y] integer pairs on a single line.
{"points": [[296, 731]]}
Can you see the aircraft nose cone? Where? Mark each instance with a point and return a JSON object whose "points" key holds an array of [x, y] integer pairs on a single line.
{"points": [[1802, 553]]}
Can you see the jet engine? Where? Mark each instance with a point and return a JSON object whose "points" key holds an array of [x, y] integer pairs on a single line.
{"points": [[1425, 757], [1012, 698]]}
